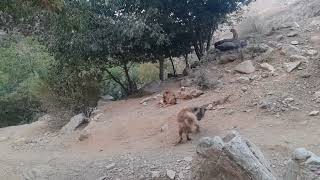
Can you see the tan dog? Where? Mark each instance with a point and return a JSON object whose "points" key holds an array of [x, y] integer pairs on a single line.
{"points": [[187, 120], [235, 34], [168, 98]]}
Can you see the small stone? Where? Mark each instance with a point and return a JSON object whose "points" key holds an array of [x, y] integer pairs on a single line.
{"points": [[187, 159], [209, 107], [294, 42], [155, 174], [292, 34], [110, 166], [148, 99], [244, 80], [3, 139], [84, 135], [314, 113], [103, 178], [292, 65], [187, 168], [145, 103], [244, 89], [165, 127], [298, 58], [181, 175], [289, 100], [305, 75], [312, 52], [245, 67], [279, 37], [301, 154], [268, 67], [171, 174]]}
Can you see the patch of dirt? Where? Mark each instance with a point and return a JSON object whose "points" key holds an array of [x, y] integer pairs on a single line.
{"points": [[135, 141]]}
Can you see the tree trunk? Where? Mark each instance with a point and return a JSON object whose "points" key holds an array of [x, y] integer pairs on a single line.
{"points": [[117, 81], [186, 60], [197, 50], [173, 68], [161, 69], [132, 85]]}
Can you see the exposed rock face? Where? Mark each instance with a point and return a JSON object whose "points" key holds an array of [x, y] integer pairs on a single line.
{"points": [[304, 165], [228, 158]]}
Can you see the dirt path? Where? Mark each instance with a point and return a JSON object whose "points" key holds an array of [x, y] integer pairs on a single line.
{"points": [[126, 142]]}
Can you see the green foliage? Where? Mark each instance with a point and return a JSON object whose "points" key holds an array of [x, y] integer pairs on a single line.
{"points": [[23, 65]]}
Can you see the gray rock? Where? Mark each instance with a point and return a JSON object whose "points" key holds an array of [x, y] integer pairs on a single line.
{"points": [[187, 159], [294, 42], [292, 65], [279, 37], [181, 175], [314, 113], [107, 98], [312, 52], [292, 34], [268, 67], [155, 174], [74, 123], [304, 165], [164, 128], [244, 89], [231, 157], [291, 50], [110, 166], [298, 58], [3, 139], [245, 67], [103, 178], [305, 75], [244, 80], [171, 174]]}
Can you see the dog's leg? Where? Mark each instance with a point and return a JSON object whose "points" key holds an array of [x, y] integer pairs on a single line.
{"points": [[180, 135], [188, 138], [197, 128]]}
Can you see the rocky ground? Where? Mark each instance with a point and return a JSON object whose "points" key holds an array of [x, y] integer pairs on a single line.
{"points": [[274, 103]]}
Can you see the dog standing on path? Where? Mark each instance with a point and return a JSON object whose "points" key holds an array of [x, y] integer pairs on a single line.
{"points": [[187, 118]]}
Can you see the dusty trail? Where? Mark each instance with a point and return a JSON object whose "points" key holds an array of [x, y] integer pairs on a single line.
{"points": [[128, 133]]}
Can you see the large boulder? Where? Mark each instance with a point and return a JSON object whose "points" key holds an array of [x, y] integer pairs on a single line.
{"points": [[304, 165], [245, 67], [74, 123], [230, 158]]}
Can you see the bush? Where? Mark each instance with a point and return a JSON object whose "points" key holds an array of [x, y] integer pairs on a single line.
{"points": [[23, 64]]}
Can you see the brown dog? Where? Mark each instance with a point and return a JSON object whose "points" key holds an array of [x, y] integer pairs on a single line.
{"points": [[168, 98], [187, 120]]}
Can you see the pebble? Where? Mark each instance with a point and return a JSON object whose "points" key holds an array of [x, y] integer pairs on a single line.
{"points": [[110, 166], [181, 175], [314, 113], [244, 89], [187, 159], [294, 42], [292, 34], [155, 174], [3, 139], [171, 174]]}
